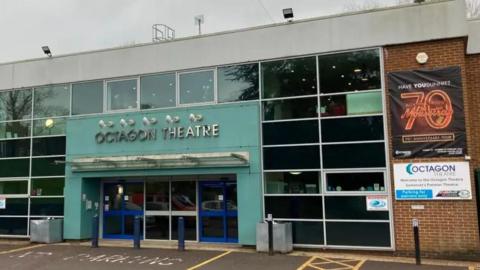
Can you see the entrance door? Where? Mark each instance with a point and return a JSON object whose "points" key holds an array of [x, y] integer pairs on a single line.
{"points": [[122, 202], [218, 212]]}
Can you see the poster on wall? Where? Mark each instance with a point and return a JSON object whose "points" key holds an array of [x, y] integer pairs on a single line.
{"points": [[377, 203], [432, 181], [427, 116], [3, 203]]}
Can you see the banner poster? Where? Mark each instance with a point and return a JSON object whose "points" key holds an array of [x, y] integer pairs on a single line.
{"points": [[427, 115]]}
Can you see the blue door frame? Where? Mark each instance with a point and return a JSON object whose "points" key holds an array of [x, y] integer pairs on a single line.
{"points": [[226, 212], [121, 212]]}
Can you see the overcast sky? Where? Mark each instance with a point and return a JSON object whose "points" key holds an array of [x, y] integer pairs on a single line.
{"points": [[69, 26]]}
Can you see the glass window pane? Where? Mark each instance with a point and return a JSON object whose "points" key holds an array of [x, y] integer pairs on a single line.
{"points": [[236, 83], [307, 232], [157, 227], [292, 182], [122, 95], [351, 104], [190, 228], [16, 129], [157, 195], [47, 187], [50, 126], [354, 155], [351, 71], [15, 105], [52, 101], [297, 157], [13, 226], [48, 146], [158, 91], [358, 234], [352, 129], [14, 167], [373, 181], [46, 206], [87, 97], [13, 187], [290, 77], [290, 132], [351, 207], [15, 207], [196, 87], [296, 207], [184, 196], [290, 108], [48, 166], [14, 148]]}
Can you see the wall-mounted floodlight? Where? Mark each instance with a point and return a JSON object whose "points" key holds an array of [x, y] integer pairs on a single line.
{"points": [[195, 117], [288, 14], [170, 119], [148, 122], [46, 50]]}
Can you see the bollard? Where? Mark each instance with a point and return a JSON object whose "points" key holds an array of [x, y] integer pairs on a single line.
{"points": [[136, 232], [95, 221], [270, 234], [181, 234], [416, 238]]}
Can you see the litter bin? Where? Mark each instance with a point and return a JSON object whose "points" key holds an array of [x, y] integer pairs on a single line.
{"points": [[282, 237], [46, 230]]}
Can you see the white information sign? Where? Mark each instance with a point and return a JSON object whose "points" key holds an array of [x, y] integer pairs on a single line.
{"points": [[3, 203], [432, 181], [377, 203]]}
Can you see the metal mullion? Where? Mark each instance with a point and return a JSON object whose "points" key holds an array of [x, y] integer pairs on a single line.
{"points": [[320, 151], [300, 219], [352, 116], [358, 220], [293, 194], [290, 145], [288, 120], [294, 170], [354, 142], [350, 92], [13, 139], [12, 158], [30, 160], [49, 136], [291, 97]]}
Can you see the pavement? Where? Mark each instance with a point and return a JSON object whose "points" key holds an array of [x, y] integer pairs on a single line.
{"points": [[77, 256]]}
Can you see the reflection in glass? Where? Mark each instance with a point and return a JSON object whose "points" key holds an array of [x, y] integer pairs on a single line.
{"points": [[351, 71], [290, 132], [15, 105], [290, 108], [87, 97], [295, 207], [15, 207], [122, 95], [212, 227], [157, 227], [352, 129], [48, 146], [295, 157], [351, 207], [13, 187], [190, 227], [232, 228], [307, 232], [157, 195], [358, 234], [129, 223], [16, 129], [292, 182], [49, 126], [184, 196], [14, 167], [47, 186], [237, 83], [48, 166], [13, 226], [133, 196], [351, 104], [46, 206], [52, 101], [290, 77], [112, 224], [354, 155], [355, 181], [14, 148], [196, 87], [158, 91]]}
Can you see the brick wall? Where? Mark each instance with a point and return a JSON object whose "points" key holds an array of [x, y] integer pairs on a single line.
{"points": [[447, 228]]}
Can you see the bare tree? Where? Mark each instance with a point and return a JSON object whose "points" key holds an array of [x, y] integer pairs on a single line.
{"points": [[473, 8]]}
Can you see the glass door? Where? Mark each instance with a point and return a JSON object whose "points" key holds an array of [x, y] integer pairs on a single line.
{"points": [[218, 212], [121, 202]]}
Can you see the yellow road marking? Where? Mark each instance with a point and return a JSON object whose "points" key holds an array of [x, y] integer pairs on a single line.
{"points": [[209, 260], [337, 262], [306, 263], [20, 249], [357, 267]]}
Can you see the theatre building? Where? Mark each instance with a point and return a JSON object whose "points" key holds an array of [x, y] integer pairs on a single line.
{"points": [[349, 127]]}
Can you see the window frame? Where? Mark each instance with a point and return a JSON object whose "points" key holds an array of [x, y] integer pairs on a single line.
{"points": [[106, 100], [215, 83]]}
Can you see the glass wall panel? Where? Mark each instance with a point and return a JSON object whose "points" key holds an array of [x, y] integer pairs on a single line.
{"points": [[46, 206], [297, 157], [14, 167], [237, 83], [196, 87], [51, 101], [47, 186], [50, 126], [354, 155], [352, 129], [15, 105], [87, 98], [16, 129], [358, 181], [190, 228], [15, 207], [358, 234], [295, 207], [157, 227], [290, 132], [351, 71], [14, 148], [290, 77], [307, 232], [292, 182], [351, 207], [157, 196], [13, 187], [48, 166], [122, 95], [184, 196], [48, 146], [13, 226], [158, 91], [290, 108], [351, 104]]}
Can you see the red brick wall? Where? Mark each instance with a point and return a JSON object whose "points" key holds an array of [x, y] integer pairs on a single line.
{"points": [[447, 228]]}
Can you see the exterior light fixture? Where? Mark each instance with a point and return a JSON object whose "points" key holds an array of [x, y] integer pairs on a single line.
{"points": [[102, 124], [129, 122], [49, 123], [170, 119], [195, 117], [46, 50], [295, 173], [120, 189], [288, 14], [357, 70], [148, 122]]}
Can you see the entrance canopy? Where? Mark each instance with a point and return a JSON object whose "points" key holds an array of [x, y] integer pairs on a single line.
{"points": [[165, 161]]}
